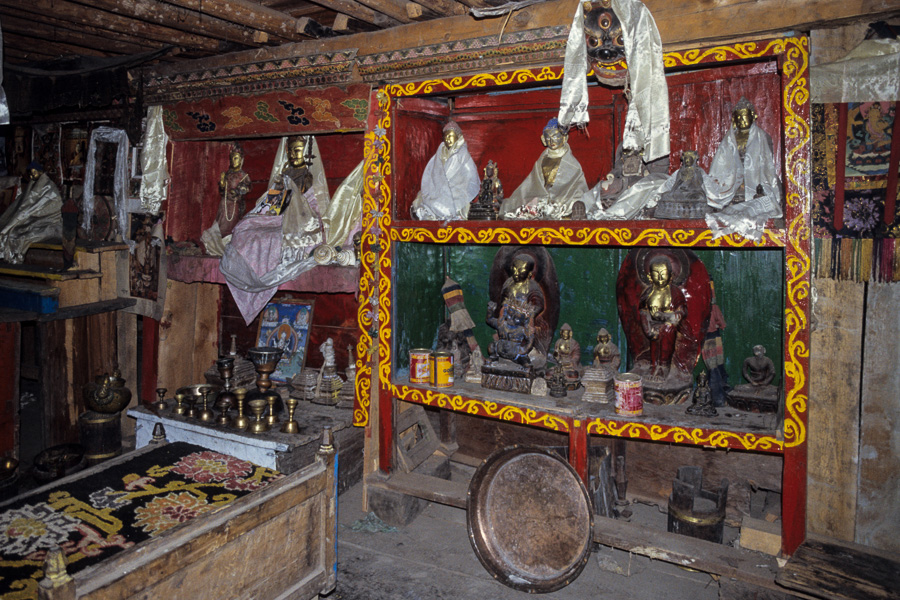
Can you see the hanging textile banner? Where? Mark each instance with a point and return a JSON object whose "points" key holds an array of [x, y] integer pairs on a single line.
{"points": [[283, 112]]}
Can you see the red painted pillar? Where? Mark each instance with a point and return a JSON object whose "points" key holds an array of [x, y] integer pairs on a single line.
{"points": [[149, 359], [578, 448], [9, 387]]}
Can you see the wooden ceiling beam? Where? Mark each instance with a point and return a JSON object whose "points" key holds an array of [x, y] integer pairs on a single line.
{"points": [[247, 14], [25, 55], [444, 8], [52, 33], [76, 13], [356, 10], [159, 13], [479, 4], [395, 9], [55, 49], [8, 12]]}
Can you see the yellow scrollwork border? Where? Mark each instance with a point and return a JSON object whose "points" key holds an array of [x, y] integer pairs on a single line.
{"points": [[794, 54]]}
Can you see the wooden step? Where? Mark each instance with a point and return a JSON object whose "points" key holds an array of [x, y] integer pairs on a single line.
{"points": [[829, 568]]}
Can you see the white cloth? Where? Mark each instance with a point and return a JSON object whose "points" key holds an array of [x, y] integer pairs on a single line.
{"points": [[647, 121], [35, 215], [728, 172], [556, 202], [120, 176], [643, 194], [449, 183], [154, 171], [870, 72]]}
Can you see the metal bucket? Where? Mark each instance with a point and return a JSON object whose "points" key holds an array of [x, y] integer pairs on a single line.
{"points": [[629, 394]]}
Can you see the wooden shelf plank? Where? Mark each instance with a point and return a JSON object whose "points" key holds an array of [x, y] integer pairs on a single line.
{"points": [[323, 278], [582, 233], [730, 429]]}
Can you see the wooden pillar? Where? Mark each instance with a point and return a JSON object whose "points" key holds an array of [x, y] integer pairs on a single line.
{"points": [[149, 357], [10, 335]]}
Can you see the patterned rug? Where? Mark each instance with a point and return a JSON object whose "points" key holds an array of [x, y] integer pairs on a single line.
{"points": [[102, 514]]}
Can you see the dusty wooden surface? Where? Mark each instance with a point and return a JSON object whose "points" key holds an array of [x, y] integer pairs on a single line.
{"points": [[878, 505], [835, 358], [188, 338], [836, 570]]}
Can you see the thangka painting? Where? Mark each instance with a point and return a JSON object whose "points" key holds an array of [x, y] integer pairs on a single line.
{"points": [[144, 280], [285, 324]]}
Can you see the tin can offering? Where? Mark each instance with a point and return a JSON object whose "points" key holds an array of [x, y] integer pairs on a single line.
{"points": [[441, 369], [629, 394], [420, 365]]}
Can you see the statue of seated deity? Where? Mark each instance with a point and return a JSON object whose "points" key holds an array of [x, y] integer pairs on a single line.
{"points": [[522, 314], [758, 395], [744, 164], [598, 377], [449, 182], [664, 303], [555, 183], [682, 195], [701, 399]]}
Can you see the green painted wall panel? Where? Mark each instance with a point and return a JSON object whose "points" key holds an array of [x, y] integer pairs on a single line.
{"points": [[749, 290]]}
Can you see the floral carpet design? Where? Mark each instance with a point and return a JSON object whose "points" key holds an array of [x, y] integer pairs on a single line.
{"points": [[99, 515]]}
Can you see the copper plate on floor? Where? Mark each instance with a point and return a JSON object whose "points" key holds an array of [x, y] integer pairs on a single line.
{"points": [[530, 519]]}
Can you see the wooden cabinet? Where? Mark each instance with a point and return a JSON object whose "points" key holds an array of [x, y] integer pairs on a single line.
{"points": [[501, 116]]}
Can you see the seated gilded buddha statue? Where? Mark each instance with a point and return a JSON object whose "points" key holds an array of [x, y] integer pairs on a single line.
{"points": [[555, 183]]}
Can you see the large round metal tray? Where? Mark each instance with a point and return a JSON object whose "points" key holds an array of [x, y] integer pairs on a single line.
{"points": [[530, 519]]}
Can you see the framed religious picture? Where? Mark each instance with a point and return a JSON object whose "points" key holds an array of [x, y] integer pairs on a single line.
{"points": [[285, 324], [75, 144], [143, 273]]}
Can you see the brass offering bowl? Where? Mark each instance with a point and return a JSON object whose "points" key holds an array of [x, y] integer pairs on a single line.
{"points": [[193, 394], [8, 466]]}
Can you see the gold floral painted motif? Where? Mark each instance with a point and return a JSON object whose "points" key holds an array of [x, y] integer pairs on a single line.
{"points": [[680, 435], [485, 408]]}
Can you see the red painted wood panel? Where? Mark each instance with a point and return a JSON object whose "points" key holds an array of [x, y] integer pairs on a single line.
{"points": [[195, 168], [9, 386]]}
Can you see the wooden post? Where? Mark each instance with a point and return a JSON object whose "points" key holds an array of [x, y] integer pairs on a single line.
{"points": [[149, 358]]}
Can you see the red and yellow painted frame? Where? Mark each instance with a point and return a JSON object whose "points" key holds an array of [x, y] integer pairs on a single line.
{"points": [[381, 233]]}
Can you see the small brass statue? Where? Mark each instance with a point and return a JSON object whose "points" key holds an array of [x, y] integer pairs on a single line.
{"points": [[567, 352], [701, 399], [758, 395], [682, 195], [487, 205], [598, 377]]}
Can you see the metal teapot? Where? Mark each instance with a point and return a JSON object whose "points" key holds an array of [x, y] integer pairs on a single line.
{"points": [[107, 393]]}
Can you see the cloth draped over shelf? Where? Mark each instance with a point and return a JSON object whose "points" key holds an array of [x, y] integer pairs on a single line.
{"points": [[871, 71], [449, 183], [154, 170], [647, 121]]}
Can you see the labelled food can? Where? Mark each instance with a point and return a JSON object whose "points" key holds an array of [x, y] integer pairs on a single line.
{"points": [[441, 369], [420, 365], [629, 394]]}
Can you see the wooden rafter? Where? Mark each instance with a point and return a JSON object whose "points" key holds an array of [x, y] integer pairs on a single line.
{"points": [[360, 12], [153, 11], [8, 12], [53, 48], [69, 11], [52, 33], [247, 14], [445, 8], [395, 9]]}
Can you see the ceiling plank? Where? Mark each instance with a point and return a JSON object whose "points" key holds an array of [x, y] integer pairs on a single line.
{"points": [[153, 11], [248, 14], [393, 8], [446, 8], [312, 28], [54, 48], [358, 11], [146, 42], [77, 14], [478, 4], [25, 55], [51, 33]]}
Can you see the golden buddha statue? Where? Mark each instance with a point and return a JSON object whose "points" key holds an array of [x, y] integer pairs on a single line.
{"points": [[662, 307]]}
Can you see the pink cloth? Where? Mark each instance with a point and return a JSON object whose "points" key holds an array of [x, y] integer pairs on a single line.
{"points": [[255, 249]]}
